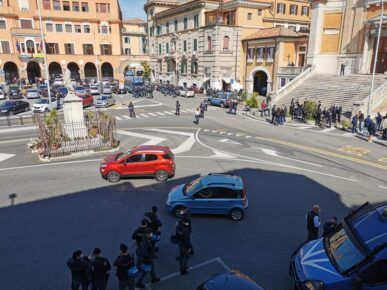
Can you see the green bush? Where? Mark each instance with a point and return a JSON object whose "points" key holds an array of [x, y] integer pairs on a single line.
{"points": [[243, 96], [310, 110], [345, 124], [252, 101]]}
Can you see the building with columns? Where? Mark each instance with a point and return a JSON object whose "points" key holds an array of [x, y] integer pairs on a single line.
{"points": [[346, 32], [82, 36]]}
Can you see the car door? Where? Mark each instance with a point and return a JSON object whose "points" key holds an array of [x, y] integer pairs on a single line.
{"points": [[133, 165], [202, 201], [150, 165], [374, 277]]}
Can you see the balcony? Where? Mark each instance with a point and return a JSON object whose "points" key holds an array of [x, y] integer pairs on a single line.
{"points": [[34, 32], [291, 70], [7, 11]]}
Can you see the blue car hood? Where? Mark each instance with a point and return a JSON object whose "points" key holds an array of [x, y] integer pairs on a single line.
{"points": [[176, 193], [313, 262]]}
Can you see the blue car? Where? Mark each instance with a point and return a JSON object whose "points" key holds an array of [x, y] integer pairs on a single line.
{"points": [[222, 99], [353, 256], [222, 194], [232, 280]]}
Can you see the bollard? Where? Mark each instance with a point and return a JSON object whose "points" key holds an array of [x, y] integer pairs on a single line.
{"points": [[8, 121], [12, 197]]}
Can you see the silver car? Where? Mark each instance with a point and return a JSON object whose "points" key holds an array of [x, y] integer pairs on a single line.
{"points": [[107, 90], [105, 101], [32, 94]]}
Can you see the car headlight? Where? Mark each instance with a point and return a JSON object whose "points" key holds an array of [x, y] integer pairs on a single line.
{"points": [[312, 285], [168, 202]]}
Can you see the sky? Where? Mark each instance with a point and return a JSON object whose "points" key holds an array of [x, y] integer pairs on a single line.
{"points": [[133, 9]]}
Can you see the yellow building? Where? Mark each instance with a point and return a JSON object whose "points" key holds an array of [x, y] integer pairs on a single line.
{"points": [[134, 37], [82, 36], [274, 56]]}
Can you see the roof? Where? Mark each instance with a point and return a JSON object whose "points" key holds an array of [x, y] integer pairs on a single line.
{"points": [[154, 148], [273, 32], [133, 21], [227, 179]]}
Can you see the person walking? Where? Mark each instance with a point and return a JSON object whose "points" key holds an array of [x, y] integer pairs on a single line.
{"points": [[313, 223], [177, 111], [138, 235], [183, 236], [154, 224], [132, 114], [384, 128], [124, 262], [263, 108], [354, 123], [79, 266], [342, 69], [371, 128], [339, 113], [330, 226], [273, 112], [197, 116], [100, 268], [148, 255], [185, 214], [379, 120], [361, 120], [201, 107]]}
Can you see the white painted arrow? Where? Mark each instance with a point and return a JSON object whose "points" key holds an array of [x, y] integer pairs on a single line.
{"points": [[225, 140], [269, 152], [183, 147], [153, 140], [4, 156]]}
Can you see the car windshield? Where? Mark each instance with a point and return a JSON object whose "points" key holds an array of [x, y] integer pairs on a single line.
{"points": [[62, 90], [192, 186], [79, 88], [122, 154], [103, 98], [7, 104], [42, 101], [94, 87], [343, 251], [32, 91]]}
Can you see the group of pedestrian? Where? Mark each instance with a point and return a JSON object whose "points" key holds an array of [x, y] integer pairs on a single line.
{"points": [[314, 223], [328, 116], [199, 111], [145, 91], [278, 115], [94, 270], [368, 126]]}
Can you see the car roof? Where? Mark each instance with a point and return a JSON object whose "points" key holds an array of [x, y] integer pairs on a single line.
{"points": [[222, 179], [233, 280], [371, 226], [150, 149]]}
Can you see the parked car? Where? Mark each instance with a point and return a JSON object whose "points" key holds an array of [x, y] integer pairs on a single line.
{"points": [[122, 91], [352, 256], [232, 280], [32, 94], [107, 90], [211, 194], [58, 81], [178, 90], [14, 93], [3, 94], [94, 90], [87, 100], [43, 105], [13, 107], [63, 91], [80, 90], [105, 101], [188, 93], [222, 99], [198, 90], [144, 160]]}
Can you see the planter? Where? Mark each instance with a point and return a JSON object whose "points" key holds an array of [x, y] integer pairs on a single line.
{"points": [[55, 146], [310, 122]]}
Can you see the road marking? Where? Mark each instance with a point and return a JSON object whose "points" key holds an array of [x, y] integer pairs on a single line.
{"points": [[228, 141], [248, 136], [143, 115], [168, 113], [153, 140], [183, 147], [269, 152], [214, 131], [383, 159], [156, 103], [161, 114], [184, 111], [118, 118], [126, 117], [190, 110], [381, 186], [206, 130], [15, 140], [152, 114], [5, 156], [327, 130], [239, 134], [354, 150], [17, 129], [229, 134]]}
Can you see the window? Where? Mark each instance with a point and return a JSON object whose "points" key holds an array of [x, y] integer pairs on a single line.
{"points": [[58, 27], [46, 4], [159, 48], [270, 53], [259, 12], [160, 66], [283, 82], [224, 192], [104, 29], [185, 21], [127, 39], [103, 8], [158, 29], [30, 46], [127, 51], [209, 43], [56, 4], [69, 27], [204, 193], [195, 45], [106, 49], [49, 27], [26, 23], [375, 275], [226, 42], [150, 157], [78, 28], [292, 27], [196, 21], [5, 48], [249, 16], [167, 27], [260, 53], [151, 31], [88, 49], [305, 11], [176, 25], [185, 45], [281, 8], [167, 47], [52, 48], [293, 9], [85, 7], [69, 48], [250, 54], [3, 24], [86, 28], [134, 158], [194, 67], [75, 6], [183, 67], [66, 6]]}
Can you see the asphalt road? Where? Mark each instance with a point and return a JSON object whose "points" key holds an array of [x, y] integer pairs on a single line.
{"points": [[65, 205]]}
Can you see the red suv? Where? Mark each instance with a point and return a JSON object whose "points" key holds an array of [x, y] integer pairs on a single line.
{"points": [[87, 100], [146, 160]]}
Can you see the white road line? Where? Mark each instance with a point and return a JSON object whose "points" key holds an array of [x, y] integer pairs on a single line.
{"points": [[268, 151], [184, 111], [183, 147], [18, 129], [381, 186], [327, 130], [224, 265], [152, 114], [168, 113], [160, 113], [229, 134], [228, 141], [126, 117], [156, 103], [190, 110], [153, 140], [118, 118], [143, 115], [5, 156]]}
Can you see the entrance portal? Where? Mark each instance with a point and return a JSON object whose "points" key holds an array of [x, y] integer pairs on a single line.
{"points": [[33, 72], [260, 83], [11, 73]]}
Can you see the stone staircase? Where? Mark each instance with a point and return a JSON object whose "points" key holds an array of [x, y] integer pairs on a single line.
{"points": [[333, 89]]}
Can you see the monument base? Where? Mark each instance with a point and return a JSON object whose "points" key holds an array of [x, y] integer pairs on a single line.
{"points": [[77, 130]]}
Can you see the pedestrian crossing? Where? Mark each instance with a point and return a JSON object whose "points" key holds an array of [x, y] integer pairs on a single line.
{"points": [[157, 114]]}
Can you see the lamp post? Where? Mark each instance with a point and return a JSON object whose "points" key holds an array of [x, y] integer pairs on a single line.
{"points": [[376, 55], [45, 55]]}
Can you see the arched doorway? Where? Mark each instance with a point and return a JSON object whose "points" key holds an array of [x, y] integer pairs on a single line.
{"points": [[54, 69], [74, 70], [90, 71], [107, 70], [260, 83], [33, 71], [11, 73]]}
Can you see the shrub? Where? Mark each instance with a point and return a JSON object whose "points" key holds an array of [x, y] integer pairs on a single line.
{"points": [[345, 124], [243, 96], [309, 108], [252, 101]]}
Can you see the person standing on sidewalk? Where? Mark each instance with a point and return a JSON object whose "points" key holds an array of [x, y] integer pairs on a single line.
{"points": [[263, 108], [197, 116], [354, 123]]}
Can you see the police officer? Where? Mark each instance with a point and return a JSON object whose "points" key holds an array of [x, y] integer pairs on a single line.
{"points": [[177, 112], [100, 268], [185, 214], [154, 224], [138, 235], [201, 106], [148, 255], [313, 223], [183, 236], [330, 226], [79, 266], [123, 263], [131, 110]]}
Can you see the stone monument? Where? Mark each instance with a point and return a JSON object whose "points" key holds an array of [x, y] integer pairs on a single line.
{"points": [[74, 124]]}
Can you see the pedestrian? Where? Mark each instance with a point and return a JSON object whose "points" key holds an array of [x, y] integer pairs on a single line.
{"points": [[132, 114], [177, 112], [384, 128], [263, 108], [100, 268], [371, 128], [339, 113], [361, 120], [313, 223], [125, 265], [342, 69], [148, 255], [318, 115], [330, 226], [201, 107], [197, 116], [354, 123], [273, 111], [183, 237], [205, 105], [379, 120], [79, 266], [138, 235], [154, 224]]}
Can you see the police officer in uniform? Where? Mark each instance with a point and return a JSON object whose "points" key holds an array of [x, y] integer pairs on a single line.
{"points": [[100, 268], [138, 235], [154, 224], [79, 266], [131, 110], [313, 223], [177, 112], [123, 263], [183, 236]]}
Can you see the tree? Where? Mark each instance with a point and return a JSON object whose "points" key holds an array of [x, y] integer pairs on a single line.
{"points": [[147, 70]]}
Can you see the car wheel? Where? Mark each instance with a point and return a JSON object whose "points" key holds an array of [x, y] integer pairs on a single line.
{"points": [[46, 110], [236, 214], [222, 105], [177, 210], [113, 176], [161, 175]]}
